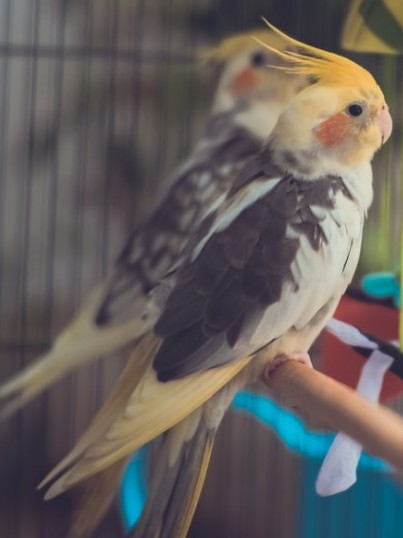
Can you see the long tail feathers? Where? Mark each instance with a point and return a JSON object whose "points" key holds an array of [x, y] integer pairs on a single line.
{"points": [[93, 499], [129, 378], [153, 408], [181, 463], [80, 343], [176, 484]]}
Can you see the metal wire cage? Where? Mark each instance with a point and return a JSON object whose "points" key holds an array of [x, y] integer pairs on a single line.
{"points": [[98, 101]]}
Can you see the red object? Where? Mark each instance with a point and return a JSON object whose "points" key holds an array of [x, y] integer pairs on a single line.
{"points": [[340, 361]]}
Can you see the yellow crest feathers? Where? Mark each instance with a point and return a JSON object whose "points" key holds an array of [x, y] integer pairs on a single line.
{"points": [[324, 67], [237, 44]]}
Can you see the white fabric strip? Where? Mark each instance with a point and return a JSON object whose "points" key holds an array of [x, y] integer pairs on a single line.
{"points": [[349, 334], [339, 468]]}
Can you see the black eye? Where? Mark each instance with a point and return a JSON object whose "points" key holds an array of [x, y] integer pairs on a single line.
{"points": [[258, 59], [355, 110]]}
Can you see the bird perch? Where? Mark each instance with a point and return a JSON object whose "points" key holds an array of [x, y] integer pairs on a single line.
{"points": [[377, 428]]}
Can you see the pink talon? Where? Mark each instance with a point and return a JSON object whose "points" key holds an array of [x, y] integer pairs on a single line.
{"points": [[300, 357]]}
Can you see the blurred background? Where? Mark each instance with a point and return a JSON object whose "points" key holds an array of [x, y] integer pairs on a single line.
{"points": [[98, 101]]}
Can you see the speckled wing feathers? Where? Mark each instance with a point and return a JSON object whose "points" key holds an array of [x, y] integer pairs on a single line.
{"points": [[239, 273], [153, 249]]}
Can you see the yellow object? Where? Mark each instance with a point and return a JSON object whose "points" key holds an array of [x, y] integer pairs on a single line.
{"points": [[374, 26]]}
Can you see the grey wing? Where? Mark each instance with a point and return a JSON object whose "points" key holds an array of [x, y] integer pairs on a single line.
{"points": [[271, 267], [119, 310], [157, 245]]}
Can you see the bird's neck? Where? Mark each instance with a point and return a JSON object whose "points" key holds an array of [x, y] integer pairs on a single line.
{"points": [[358, 180], [309, 165], [258, 113], [260, 117]]}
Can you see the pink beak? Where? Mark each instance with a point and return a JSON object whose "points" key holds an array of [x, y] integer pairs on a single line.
{"points": [[384, 122]]}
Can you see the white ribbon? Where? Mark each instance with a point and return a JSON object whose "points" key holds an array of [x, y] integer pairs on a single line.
{"points": [[339, 468]]}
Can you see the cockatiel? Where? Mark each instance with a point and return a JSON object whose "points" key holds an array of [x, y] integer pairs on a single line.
{"points": [[248, 101], [260, 278]]}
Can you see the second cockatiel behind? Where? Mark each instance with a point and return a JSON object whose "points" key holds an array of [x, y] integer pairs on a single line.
{"points": [[261, 277], [248, 100]]}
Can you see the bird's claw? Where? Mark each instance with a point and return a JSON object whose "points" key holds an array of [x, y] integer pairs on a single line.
{"points": [[302, 357]]}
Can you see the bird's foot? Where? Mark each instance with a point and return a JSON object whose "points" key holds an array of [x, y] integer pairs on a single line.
{"points": [[300, 357]]}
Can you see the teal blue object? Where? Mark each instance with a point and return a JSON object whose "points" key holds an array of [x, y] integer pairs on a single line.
{"points": [[133, 491], [290, 429], [372, 508], [383, 286]]}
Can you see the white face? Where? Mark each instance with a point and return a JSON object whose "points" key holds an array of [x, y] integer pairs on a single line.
{"points": [[342, 124]]}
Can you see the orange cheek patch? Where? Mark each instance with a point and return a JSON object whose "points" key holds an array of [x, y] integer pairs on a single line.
{"points": [[245, 80], [332, 131]]}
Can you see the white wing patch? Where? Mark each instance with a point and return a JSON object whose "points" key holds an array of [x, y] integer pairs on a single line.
{"points": [[321, 277]]}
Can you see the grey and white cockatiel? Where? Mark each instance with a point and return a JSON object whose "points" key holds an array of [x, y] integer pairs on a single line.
{"points": [[260, 277], [248, 100]]}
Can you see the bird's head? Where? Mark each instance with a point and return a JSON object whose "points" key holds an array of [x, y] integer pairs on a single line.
{"points": [[246, 76], [342, 119]]}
